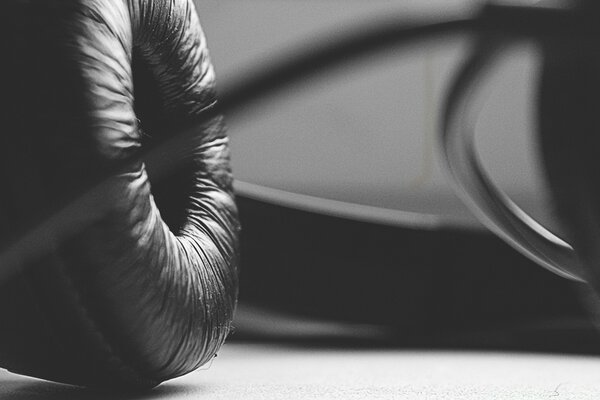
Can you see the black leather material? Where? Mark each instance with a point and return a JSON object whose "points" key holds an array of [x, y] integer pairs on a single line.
{"points": [[145, 290]]}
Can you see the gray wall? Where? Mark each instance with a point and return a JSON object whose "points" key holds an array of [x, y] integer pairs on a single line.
{"points": [[367, 133]]}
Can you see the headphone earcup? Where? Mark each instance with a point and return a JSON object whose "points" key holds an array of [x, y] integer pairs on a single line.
{"points": [[145, 290]]}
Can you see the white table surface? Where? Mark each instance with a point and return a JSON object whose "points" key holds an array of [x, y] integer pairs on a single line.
{"points": [[257, 371]]}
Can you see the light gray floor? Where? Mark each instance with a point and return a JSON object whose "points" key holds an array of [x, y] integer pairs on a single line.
{"points": [[243, 371]]}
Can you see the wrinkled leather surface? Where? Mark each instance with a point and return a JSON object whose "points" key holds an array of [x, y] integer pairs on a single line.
{"points": [[146, 289]]}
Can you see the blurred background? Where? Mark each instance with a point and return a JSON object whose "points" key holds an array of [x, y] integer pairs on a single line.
{"points": [[351, 231]]}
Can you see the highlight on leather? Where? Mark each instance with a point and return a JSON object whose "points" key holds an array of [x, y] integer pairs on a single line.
{"points": [[145, 290]]}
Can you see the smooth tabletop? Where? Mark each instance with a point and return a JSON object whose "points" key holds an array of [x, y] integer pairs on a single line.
{"points": [[261, 371]]}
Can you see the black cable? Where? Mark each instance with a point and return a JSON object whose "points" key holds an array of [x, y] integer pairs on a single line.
{"points": [[494, 209]]}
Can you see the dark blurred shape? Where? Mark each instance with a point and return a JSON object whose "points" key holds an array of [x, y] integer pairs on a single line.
{"points": [[412, 281]]}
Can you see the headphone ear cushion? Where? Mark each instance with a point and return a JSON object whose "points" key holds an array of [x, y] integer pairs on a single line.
{"points": [[131, 298]]}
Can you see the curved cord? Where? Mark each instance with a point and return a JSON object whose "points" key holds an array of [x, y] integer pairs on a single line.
{"points": [[352, 211], [493, 208]]}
